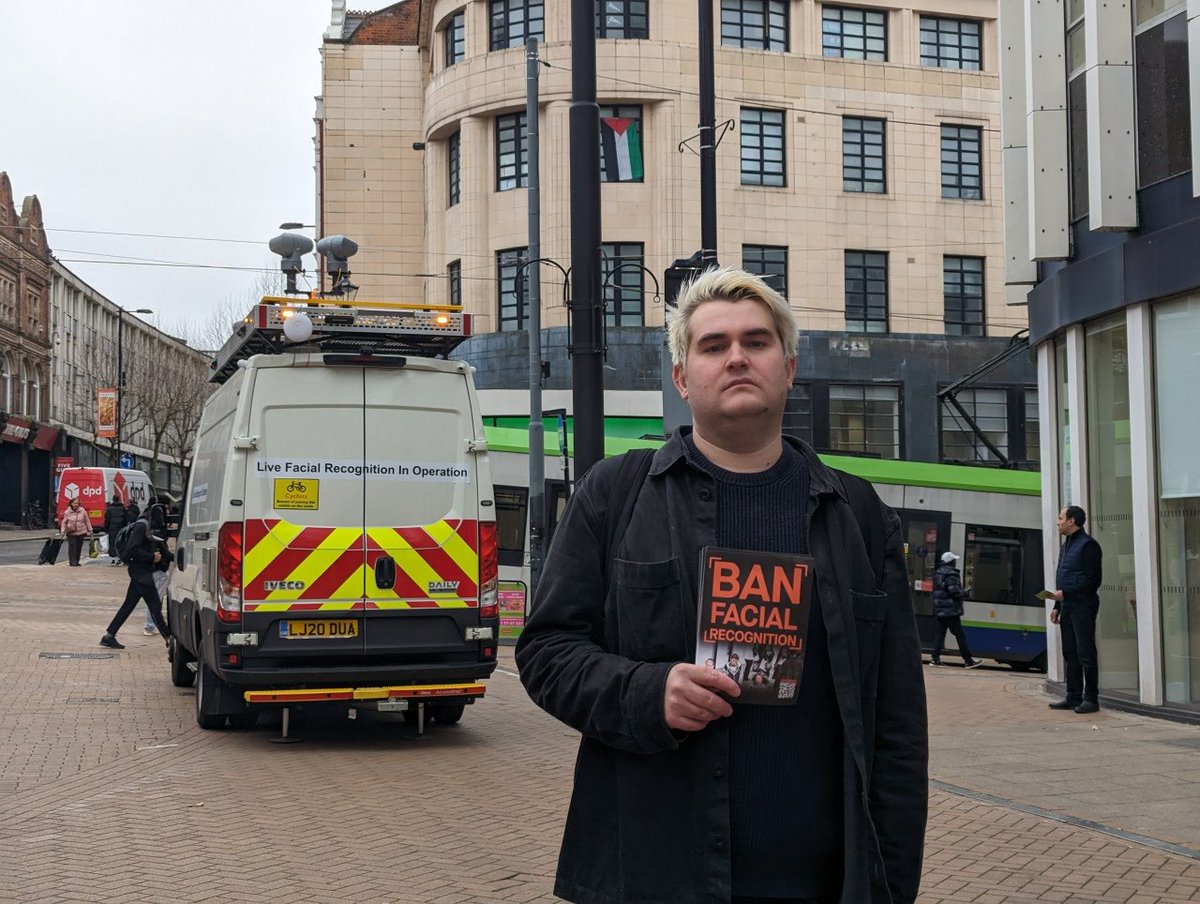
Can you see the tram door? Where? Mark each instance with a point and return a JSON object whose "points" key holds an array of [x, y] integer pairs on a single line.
{"points": [[926, 536]]}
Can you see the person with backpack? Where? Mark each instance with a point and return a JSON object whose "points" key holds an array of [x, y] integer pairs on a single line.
{"points": [[136, 548], [948, 596], [115, 518], [681, 792]]}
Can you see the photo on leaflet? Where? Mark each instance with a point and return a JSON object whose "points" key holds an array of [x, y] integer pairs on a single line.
{"points": [[765, 673]]}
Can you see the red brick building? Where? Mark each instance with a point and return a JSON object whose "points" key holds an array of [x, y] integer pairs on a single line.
{"points": [[26, 439]]}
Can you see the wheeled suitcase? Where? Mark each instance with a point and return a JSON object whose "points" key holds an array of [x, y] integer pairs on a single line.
{"points": [[49, 553]]}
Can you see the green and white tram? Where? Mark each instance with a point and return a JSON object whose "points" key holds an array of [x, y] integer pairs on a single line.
{"points": [[990, 517]]}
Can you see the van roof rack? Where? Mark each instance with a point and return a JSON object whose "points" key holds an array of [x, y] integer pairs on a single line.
{"points": [[427, 331]]}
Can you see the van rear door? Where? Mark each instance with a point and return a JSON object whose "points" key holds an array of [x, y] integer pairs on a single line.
{"points": [[303, 566], [421, 515]]}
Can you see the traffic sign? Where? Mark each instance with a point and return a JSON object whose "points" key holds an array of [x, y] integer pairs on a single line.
{"points": [[126, 460]]}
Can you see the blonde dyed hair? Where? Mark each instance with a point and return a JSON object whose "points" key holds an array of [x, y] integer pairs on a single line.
{"points": [[729, 284]]}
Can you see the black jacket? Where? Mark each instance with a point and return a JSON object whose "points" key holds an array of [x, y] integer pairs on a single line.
{"points": [[948, 593], [1080, 571], [141, 549], [649, 815], [114, 518]]}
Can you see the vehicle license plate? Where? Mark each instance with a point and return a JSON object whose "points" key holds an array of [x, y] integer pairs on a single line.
{"points": [[326, 628]]}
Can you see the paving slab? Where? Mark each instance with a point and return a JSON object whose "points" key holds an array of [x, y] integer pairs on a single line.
{"points": [[109, 791]]}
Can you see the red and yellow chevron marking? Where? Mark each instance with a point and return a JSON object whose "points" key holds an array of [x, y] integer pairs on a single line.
{"points": [[394, 692], [332, 569]]}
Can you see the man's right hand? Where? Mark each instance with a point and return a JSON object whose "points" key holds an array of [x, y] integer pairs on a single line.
{"points": [[1054, 616], [157, 556], [691, 699]]}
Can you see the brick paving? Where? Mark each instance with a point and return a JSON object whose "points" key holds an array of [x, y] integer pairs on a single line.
{"points": [[129, 801]]}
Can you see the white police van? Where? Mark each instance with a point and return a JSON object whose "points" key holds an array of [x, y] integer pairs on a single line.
{"points": [[338, 542]]}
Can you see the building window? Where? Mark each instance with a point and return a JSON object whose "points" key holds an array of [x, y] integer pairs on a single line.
{"points": [[515, 21], [1163, 110], [962, 288], [1177, 374], [452, 163], [951, 43], [755, 24], [511, 291], [1033, 435], [962, 162], [866, 292], [854, 34], [865, 420], [1076, 110], [864, 147], [623, 282], [797, 413], [512, 147], [988, 408], [621, 144], [622, 19], [454, 279], [455, 37], [762, 147], [768, 261]]}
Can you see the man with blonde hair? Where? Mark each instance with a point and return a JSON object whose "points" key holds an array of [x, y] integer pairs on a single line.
{"points": [[681, 793]]}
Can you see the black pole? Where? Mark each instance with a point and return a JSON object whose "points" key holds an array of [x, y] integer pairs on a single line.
{"points": [[586, 310], [708, 145], [120, 382]]}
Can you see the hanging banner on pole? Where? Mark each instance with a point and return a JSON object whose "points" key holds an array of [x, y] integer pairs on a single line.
{"points": [[106, 413]]}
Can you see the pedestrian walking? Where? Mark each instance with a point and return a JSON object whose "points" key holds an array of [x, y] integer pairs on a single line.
{"points": [[948, 596], [682, 794], [76, 527], [162, 570], [1076, 606], [132, 512], [142, 557], [115, 518]]}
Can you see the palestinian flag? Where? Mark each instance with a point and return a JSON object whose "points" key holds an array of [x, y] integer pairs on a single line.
{"points": [[621, 145]]}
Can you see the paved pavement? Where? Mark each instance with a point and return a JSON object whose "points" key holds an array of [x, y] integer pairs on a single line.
{"points": [[109, 791]]}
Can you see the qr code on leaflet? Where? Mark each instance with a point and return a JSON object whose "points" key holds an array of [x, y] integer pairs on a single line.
{"points": [[787, 689]]}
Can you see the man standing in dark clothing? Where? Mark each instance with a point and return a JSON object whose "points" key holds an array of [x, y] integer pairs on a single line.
{"points": [[948, 596], [142, 557], [1077, 604], [682, 793], [115, 518]]}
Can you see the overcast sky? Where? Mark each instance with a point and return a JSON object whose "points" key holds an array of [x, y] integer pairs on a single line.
{"points": [[166, 118]]}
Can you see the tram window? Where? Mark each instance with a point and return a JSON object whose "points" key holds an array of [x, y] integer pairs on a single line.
{"points": [[511, 506], [994, 564]]}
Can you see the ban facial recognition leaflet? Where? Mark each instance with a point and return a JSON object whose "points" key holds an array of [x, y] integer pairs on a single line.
{"points": [[753, 620]]}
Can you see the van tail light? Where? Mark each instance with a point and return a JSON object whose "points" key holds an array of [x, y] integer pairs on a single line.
{"points": [[229, 573], [489, 571]]}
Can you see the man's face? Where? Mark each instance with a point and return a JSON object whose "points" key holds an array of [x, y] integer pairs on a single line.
{"points": [[736, 366], [1066, 526]]}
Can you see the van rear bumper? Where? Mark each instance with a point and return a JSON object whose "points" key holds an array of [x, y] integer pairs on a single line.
{"points": [[350, 674]]}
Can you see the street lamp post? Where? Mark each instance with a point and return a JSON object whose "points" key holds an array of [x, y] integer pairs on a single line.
{"points": [[121, 371]]}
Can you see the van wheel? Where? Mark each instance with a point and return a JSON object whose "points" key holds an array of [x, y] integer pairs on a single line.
{"points": [[447, 713], [181, 675], [206, 699]]}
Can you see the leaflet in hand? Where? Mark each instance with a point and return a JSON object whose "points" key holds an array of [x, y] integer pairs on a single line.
{"points": [[753, 620], [1045, 594]]}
